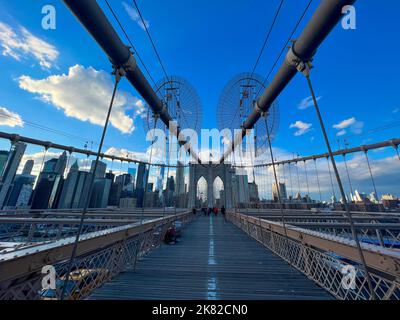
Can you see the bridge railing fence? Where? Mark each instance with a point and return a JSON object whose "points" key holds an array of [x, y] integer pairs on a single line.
{"points": [[101, 256], [327, 260]]}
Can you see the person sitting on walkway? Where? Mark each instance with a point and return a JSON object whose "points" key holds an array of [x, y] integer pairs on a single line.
{"points": [[171, 236]]}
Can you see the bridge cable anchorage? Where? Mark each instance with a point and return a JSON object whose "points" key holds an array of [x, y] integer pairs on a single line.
{"points": [[278, 191], [304, 67], [118, 72]]}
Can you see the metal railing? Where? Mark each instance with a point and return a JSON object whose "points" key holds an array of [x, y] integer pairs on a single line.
{"points": [[324, 258], [100, 257]]}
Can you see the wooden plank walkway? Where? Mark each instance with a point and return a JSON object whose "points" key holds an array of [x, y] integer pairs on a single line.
{"points": [[215, 261]]}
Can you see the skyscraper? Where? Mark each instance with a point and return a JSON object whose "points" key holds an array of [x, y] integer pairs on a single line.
{"points": [[253, 192], [28, 167], [180, 180], [141, 176], [140, 184], [100, 193], [282, 191], [61, 164], [50, 183], [132, 172], [3, 160], [10, 169], [22, 182], [76, 189], [100, 171]]}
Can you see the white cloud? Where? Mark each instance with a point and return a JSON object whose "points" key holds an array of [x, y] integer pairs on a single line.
{"points": [[21, 43], [10, 119], [84, 94], [302, 127], [345, 124], [355, 126], [307, 103], [134, 15]]}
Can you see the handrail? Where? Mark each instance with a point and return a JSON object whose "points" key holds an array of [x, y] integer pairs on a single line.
{"points": [[30, 260]]}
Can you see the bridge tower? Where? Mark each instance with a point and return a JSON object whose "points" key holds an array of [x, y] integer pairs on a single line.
{"points": [[210, 172]]}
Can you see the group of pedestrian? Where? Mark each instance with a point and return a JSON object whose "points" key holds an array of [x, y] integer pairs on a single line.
{"points": [[209, 211]]}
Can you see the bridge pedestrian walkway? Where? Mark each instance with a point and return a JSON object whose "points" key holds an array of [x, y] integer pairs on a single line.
{"points": [[215, 261]]}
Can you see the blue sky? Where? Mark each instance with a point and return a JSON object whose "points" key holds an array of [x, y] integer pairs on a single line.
{"points": [[208, 43]]}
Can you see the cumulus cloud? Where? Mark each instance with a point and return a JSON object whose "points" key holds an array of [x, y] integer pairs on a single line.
{"points": [[302, 128], [20, 43], [134, 15], [10, 119], [353, 124], [307, 103], [84, 94]]}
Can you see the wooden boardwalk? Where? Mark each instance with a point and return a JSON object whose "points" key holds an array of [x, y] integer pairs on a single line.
{"points": [[215, 261]]}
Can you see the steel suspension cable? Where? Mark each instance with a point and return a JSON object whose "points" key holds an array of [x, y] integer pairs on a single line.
{"points": [[339, 182], [308, 186], [298, 178], [290, 180], [330, 175], [278, 191], [348, 175], [151, 41], [130, 42], [319, 186], [267, 38], [118, 74], [371, 175], [286, 44]]}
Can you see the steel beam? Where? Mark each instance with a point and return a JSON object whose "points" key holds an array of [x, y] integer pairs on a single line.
{"points": [[325, 18]]}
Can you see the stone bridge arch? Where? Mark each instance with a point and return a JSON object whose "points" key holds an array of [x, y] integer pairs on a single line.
{"points": [[210, 172]]}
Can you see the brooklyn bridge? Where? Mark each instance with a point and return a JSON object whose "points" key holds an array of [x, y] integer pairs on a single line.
{"points": [[184, 225]]}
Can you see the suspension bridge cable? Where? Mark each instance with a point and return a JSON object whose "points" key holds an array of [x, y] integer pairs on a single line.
{"points": [[319, 185], [286, 44], [308, 186], [330, 175], [267, 38], [340, 184], [278, 191], [118, 75], [130, 42], [151, 39], [371, 175]]}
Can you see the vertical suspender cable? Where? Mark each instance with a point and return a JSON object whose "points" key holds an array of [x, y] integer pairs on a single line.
{"points": [[339, 181], [319, 186], [118, 74]]}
